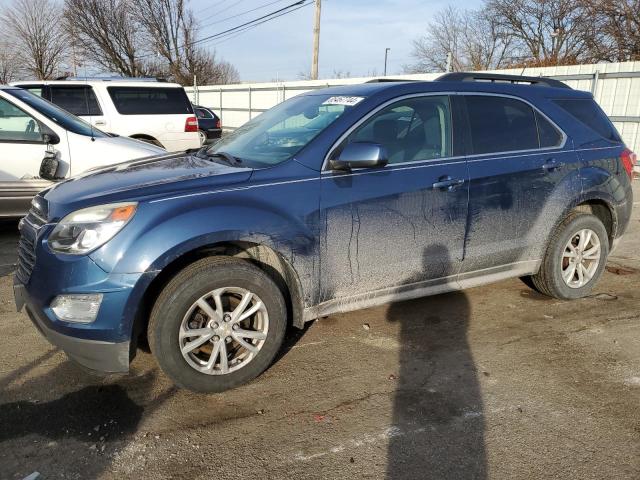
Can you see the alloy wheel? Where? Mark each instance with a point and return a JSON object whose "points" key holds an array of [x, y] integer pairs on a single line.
{"points": [[223, 330]]}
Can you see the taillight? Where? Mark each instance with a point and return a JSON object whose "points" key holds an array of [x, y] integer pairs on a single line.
{"points": [[191, 125], [218, 124], [629, 160]]}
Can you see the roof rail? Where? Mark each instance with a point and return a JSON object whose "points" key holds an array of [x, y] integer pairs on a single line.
{"points": [[500, 78], [387, 79], [115, 79]]}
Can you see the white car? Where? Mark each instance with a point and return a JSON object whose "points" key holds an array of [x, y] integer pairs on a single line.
{"points": [[156, 112], [32, 128]]}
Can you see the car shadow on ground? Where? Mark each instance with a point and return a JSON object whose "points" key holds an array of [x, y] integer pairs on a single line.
{"points": [[76, 434], [438, 414], [8, 246]]}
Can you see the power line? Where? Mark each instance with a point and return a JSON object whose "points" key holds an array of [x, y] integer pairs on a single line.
{"points": [[241, 13], [257, 21], [237, 33], [273, 14], [218, 12]]}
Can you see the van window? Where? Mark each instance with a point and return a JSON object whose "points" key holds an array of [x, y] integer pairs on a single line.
{"points": [[500, 124], [56, 114], [150, 100], [548, 134], [588, 112], [17, 125], [79, 100], [411, 130]]}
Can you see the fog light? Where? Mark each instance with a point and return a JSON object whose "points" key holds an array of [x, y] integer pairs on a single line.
{"points": [[77, 307]]}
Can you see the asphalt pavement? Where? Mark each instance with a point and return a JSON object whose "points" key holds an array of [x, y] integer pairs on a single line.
{"points": [[496, 382]]}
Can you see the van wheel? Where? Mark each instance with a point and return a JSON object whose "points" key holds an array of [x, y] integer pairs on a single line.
{"points": [[217, 324], [575, 259]]}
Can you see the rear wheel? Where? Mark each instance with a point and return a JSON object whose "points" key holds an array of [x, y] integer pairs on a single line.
{"points": [[217, 324], [575, 259], [203, 137]]}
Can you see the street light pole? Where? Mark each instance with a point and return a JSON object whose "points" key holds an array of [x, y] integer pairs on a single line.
{"points": [[386, 55]]}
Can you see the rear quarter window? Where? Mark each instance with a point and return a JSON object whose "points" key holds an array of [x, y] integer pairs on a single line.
{"points": [[150, 100], [589, 113]]}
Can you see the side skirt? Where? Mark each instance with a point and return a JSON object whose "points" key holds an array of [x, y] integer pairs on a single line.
{"points": [[422, 289]]}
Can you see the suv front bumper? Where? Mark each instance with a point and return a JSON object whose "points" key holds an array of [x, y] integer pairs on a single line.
{"points": [[97, 355]]}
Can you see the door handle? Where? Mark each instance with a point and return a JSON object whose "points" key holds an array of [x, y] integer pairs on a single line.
{"points": [[448, 183], [100, 122], [552, 165]]}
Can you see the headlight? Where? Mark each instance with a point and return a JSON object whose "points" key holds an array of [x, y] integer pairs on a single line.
{"points": [[85, 230]]}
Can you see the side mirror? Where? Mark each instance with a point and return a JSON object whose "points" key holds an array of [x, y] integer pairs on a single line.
{"points": [[361, 155], [50, 168], [49, 137]]}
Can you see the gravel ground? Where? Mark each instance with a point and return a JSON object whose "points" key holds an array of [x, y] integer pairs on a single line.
{"points": [[494, 382]]}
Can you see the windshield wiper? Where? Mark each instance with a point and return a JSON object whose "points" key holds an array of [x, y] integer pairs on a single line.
{"points": [[227, 157]]}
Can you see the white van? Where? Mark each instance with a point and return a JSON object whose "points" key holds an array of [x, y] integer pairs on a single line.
{"points": [[32, 128], [156, 112]]}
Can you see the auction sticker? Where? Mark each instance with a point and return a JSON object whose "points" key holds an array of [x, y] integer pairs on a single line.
{"points": [[347, 101]]}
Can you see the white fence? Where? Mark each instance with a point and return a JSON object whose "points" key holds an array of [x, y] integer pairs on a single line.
{"points": [[616, 87]]}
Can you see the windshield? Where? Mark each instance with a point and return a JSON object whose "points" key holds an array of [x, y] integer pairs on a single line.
{"points": [[278, 134], [56, 114]]}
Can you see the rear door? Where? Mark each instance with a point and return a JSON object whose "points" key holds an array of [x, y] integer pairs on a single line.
{"points": [[523, 173], [401, 227]]}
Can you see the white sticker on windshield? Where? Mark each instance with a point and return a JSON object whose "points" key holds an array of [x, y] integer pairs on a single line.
{"points": [[347, 101]]}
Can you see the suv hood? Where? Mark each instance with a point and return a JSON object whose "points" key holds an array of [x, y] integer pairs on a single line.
{"points": [[141, 179]]}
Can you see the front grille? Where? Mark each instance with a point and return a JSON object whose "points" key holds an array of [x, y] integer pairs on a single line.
{"points": [[29, 228]]}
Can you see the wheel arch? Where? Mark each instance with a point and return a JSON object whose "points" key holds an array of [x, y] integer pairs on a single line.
{"points": [[273, 263]]}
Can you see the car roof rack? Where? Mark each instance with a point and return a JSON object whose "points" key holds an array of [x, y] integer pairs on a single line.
{"points": [[114, 79], [385, 80], [500, 78]]}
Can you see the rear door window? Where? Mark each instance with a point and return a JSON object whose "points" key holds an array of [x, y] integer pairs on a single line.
{"points": [[589, 113], [150, 100], [500, 124], [79, 100]]}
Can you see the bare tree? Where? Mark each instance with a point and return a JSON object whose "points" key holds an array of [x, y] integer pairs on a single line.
{"points": [[547, 32], [9, 63], [173, 31], [108, 33], [467, 39], [614, 29], [38, 35]]}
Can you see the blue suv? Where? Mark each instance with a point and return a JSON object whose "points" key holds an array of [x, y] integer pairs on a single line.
{"points": [[332, 201]]}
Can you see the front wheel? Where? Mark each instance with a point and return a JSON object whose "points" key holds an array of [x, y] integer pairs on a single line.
{"points": [[218, 324], [575, 259]]}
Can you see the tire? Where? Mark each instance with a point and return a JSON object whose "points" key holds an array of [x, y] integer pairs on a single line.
{"points": [[177, 313], [203, 137], [549, 279]]}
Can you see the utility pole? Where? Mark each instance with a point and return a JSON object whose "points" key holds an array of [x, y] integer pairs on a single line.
{"points": [[316, 41], [386, 55]]}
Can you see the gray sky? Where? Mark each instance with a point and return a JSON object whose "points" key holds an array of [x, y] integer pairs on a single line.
{"points": [[354, 35]]}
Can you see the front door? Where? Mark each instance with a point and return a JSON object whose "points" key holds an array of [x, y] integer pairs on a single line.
{"points": [[21, 153], [391, 230]]}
